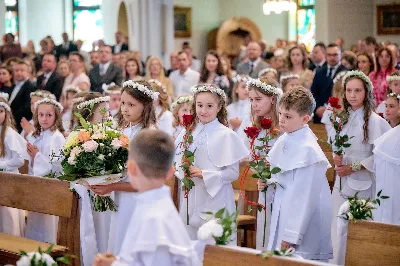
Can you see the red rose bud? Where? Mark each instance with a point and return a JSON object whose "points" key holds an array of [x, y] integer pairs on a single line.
{"points": [[252, 132], [187, 120], [334, 102], [266, 123], [381, 115]]}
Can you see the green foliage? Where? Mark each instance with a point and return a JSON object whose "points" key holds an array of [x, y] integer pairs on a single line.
{"points": [[229, 224]]}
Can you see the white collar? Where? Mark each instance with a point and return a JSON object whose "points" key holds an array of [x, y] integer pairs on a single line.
{"points": [[106, 65], [153, 194], [20, 83], [334, 67], [255, 62], [358, 112], [321, 63], [184, 73], [48, 74], [243, 102]]}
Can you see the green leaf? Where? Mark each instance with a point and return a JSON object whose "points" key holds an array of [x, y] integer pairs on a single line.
{"points": [[220, 213], [345, 138], [259, 208], [385, 197], [346, 145], [379, 193], [275, 170], [63, 260], [48, 251], [378, 201], [255, 176]]}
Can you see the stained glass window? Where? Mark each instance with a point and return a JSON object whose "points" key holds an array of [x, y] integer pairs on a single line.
{"points": [[87, 22], [11, 17], [305, 23]]}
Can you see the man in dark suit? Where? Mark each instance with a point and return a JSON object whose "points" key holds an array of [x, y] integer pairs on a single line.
{"points": [[120, 46], [321, 87], [50, 80], [255, 63], [20, 98], [105, 72], [66, 47], [318, 56]]}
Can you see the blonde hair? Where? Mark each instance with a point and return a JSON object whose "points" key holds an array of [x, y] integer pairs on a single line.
{"points": [[175, 112], [8, 122], [235, 96], [275, 118], [152, 58], [57, 123], [395, 74], [395, 97], [163, 98], [298, 99]]}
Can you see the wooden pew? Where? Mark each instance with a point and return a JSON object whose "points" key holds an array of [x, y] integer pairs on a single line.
{"points": [[43, 195], [247, 222], [173, 184], [320, 132], [371, 243], [221, 256]]}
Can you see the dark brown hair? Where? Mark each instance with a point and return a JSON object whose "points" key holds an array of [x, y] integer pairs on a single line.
{"points": [[153, 152], [378, 66], [371, 61], [205, 73], [79, 55], [57, 123], [137, 65], [303, 52]]}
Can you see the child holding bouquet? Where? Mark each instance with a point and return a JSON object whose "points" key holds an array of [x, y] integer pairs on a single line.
{"points": [[44, 148], [180, 107], [205, 159]]}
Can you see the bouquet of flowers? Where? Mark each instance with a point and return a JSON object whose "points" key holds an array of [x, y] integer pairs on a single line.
{"points": [[359, 209], [42, 258], [220, 227], [258, 164], [338, 119], [187, 159], [96, 154]]}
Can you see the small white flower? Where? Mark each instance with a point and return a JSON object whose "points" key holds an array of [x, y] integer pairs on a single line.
{"points": [[116, 144], [37, 256], [351, 217], [344, 208], [101, 145], [217, 230], [98, 136], [370, 205], [90, 146], [24, 261], [101, 156], [362, 202], [272, 180], [47, 259], [71, 160], [210, 229], [109, 154], [338, 119]]}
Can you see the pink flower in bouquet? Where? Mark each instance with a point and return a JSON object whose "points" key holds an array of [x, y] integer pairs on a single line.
{"points": [[90, 146]]}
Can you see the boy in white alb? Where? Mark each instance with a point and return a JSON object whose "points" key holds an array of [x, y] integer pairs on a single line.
{"points": [[156, 234], [301, 216]]}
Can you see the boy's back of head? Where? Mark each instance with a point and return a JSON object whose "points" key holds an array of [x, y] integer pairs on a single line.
{"points": [[153, 152]]}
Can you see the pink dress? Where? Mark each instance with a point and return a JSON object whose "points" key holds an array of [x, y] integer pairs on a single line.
{"points": [[380, 84]]}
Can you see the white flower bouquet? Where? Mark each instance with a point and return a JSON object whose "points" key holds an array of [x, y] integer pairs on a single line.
{"points": [[42, 258]]}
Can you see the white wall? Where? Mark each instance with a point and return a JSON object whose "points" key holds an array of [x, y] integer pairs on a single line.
{"points": [[321, 21], [2, 17], [381, 38]]}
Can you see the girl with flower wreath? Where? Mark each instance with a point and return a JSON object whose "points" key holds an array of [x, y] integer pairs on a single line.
{"points": [[78, 98], [137, 113], [215, 152], [114, 91], [239, 109], [165, 118], [393, 81], [264, 96], [289, 81], [182, 106], [12, 156], [45, 141], [363, 126], [70, 93]]}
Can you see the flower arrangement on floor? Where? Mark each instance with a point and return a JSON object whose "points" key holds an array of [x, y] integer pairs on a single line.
{"points": [[355, 209], [220, 227], [187, 159], [42, 258], [95, 154], [338, 119], [258, 163]]}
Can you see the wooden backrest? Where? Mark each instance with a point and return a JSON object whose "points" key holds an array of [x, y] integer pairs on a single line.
{"points": [[371, 243], [173, 184], [221, 256], [44, 195], [250, 184]]}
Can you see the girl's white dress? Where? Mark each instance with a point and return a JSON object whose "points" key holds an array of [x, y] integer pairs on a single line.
{"points": [[240, 109], [165, 121], [302, 209], [362, 181], [177, 130], [43, 227], [218, 151], [381, 108], [386, 166], [66, 119], [12, 221]]}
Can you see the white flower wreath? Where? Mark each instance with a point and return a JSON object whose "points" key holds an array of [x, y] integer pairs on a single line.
{"points": [[289, 76], [268, 88], [392, 78], [4, 95], [181, 99], [134, 85], [266, 70], [78, 100], [73, 89], [239, 78], [6, 106], [339, 76], [360, 75], [394, 95], [49, 101], [95, 101], [159, 84], [209, 88], [106, 88], [43, 95]]}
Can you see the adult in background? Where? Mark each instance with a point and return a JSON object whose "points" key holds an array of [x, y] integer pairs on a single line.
{"points": [[66, 47], [77, 77], [10, 48], [318, 57], [20, 97], [321, 87], [94, 59], [132, 70], [119, 46], [155, 70], [105, 72], [195, 63], [174, 63], [365, 63], [395, 51], [212, 72], [349, 60], [297, 64], [384, 67], [184, 77], [371, 46], [255, 63], [50, 80]]}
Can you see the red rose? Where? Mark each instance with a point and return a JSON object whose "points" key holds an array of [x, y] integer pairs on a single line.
{"points": [[252, 132], [334, 102], [187, 120], [266, 123], [381, 115]]}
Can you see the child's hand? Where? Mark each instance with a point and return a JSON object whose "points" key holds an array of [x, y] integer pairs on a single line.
{"points": [[285, 245], [105, 259], [235, 123], [344, 170], [261, 184], [102, 189], [195, 172], [338, 160], [32, 150], [26, 126]]}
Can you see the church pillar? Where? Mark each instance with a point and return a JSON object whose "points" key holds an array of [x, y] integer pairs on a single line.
{"points": [[2, 18], [168, 30]]}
